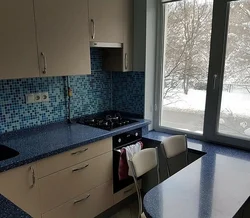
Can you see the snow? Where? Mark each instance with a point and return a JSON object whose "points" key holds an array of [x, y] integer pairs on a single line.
{"points": [[236, 103]]}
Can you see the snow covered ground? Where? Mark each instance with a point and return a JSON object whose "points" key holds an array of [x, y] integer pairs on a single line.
{"points": [[237, 102], [186, 112]]}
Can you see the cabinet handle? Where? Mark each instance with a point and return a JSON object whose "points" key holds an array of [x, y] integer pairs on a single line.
{"points": [[84, 199], [126, 61], [81, 168], [127, 191], [33, 177], [79, 152], [93, 28], [44, 63]]}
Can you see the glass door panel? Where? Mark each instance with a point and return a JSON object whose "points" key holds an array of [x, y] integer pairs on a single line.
{"points": [[187, 35], [234, 118]]}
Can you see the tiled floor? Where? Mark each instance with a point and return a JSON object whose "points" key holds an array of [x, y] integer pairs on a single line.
{"points": [[130, 211]]}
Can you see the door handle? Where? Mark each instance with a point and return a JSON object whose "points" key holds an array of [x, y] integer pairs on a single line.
{"points": [[126, 61], [215, 81], [93, 28], [83, 199], [44, 71], [81, 168], [33, 177], [79, 152]]}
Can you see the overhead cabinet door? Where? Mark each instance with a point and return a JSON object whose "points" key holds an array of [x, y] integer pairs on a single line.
{"points": [[18, 49], [106, 20], [63, 37]]}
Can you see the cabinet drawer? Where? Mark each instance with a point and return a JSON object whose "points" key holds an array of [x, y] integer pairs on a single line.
{"points": [[124, 193], [87, 205], [61, 161], [64, 185]]}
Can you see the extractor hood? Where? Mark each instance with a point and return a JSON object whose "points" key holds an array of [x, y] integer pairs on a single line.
{"points": [[105, 45]]}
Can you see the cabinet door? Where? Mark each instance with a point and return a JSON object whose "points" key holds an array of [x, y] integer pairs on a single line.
{"points": [[20, 187], [18, 49], [87, 205], [106, 20], [63, 37], [128, 25]]}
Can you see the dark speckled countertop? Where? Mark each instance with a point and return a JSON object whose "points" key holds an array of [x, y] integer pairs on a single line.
{"points": [[41, 142], [216, 185]]}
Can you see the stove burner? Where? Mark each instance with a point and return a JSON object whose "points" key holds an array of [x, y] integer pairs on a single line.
{"points": [[107, 122]]}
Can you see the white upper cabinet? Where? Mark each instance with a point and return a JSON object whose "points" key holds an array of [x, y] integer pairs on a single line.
{"points": [[18, 48], [106, 20], [63, 37]]}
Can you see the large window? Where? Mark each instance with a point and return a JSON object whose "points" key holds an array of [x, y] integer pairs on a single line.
{"points": [[187, 34], [235, 104], [204, 81]]}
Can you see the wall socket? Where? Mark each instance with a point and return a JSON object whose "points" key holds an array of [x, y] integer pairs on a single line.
{"points": [[37, 97]]}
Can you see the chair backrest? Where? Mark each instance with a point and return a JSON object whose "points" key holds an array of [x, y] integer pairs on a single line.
{"points": [[141, 163], [174, 145], [144, 161]]}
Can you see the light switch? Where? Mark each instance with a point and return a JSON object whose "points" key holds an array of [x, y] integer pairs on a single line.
{"points": [[30, 98]]}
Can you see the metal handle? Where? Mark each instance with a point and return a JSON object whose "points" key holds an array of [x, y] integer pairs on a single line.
{"points": [[129, 190], [33, 177], [215, 80], [79, 152], [126, 61], [93, 28], [84, 199], [44, 63], [81, 168]]}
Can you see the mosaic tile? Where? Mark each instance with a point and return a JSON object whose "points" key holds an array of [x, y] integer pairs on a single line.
{"points": [[128, 92]]}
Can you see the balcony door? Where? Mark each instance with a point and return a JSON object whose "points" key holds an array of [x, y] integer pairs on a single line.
{"points": [[204, 79]]}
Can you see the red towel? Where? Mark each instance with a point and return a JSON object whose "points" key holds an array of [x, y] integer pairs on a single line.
{"points": [[123, 164]]}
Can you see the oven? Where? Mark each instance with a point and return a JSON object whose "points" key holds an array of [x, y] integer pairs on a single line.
{"points": [[120, 141]]}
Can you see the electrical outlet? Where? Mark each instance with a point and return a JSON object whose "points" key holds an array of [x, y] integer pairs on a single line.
{"points": [[37, 97], [44, 96]]}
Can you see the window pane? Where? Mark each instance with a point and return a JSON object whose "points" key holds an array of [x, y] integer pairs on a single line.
{"points": [[187, 37], [235, 104]]}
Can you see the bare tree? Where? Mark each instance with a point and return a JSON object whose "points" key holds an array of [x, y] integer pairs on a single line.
{"points": [[187, 32]]}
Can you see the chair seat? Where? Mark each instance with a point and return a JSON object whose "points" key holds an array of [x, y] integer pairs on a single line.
{"points": [[143, 215]]}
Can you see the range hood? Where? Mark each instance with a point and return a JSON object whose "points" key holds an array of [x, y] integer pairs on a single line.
{"points": [[105, 45]]}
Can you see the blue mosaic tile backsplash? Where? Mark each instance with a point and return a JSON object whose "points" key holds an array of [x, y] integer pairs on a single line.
{"points": [[93, 93], [128, 91]]}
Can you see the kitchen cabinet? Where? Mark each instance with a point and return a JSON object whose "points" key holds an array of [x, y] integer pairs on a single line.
{"points": [[64, 160], [87, 205], [115, 59], [77, 180], [19, 185], [64, 185], [18, 53], [63, 37], [106, 20]]}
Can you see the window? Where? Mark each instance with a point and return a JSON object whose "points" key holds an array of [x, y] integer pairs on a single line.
{"points": [[204, 81], [187, 37]]}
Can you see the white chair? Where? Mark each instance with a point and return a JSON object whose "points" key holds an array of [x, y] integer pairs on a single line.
{"points": [[141, 163], [173, 146]]}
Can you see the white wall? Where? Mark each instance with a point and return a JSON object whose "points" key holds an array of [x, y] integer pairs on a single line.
{"points": [[145, 49]]}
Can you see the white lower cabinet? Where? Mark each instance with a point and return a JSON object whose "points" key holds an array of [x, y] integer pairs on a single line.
{"points": [[87, 205], [59, 187]]}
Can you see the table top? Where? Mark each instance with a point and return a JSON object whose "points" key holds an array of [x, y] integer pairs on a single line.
{"points": [[216, 185]]}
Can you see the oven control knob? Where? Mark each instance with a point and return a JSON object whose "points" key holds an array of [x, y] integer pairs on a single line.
{"points": [[119, 140], [136, 134]]}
